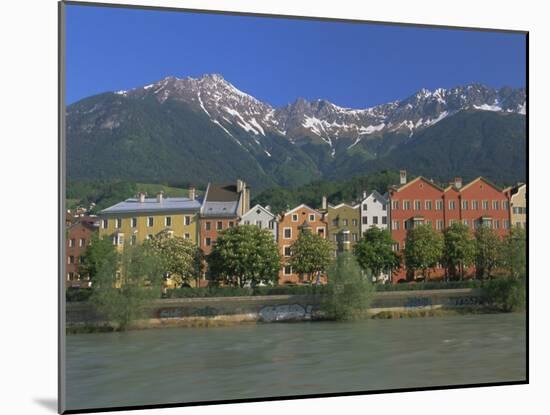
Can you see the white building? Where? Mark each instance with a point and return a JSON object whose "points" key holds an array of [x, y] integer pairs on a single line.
{"points": [[374, 211], [261, 217]]}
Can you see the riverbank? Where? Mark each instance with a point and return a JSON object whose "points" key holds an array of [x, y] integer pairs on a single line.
{"points": [[229, 311]]}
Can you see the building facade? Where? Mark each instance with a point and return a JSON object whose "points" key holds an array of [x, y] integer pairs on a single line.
{"points": [[290, 225], [344, 227], [374, 211], [79, 234], [141, 218], [518, 205], [261, 217]]}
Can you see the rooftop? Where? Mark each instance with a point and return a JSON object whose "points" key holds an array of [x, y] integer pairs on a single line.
{"points": [[168, 204]]}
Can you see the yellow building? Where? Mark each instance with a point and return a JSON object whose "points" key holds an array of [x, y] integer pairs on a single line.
{"points": [[518, 206], [141, 218]]}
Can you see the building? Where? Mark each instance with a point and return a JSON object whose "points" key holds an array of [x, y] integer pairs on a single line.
{"points": [[79, 234], [222, 208], [344, 226], [420, 201], [300, 219], [518, 205], [261, 217], [374, 211], [141, 218]]}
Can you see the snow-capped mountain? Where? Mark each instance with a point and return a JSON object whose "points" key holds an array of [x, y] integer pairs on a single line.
{"points": [[321, 120]]}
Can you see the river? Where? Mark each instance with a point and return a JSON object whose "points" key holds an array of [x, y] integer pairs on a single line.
{"points": [[174, 365]]}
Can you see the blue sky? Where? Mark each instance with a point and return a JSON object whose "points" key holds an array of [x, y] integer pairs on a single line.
{"points": [[277, 60]]}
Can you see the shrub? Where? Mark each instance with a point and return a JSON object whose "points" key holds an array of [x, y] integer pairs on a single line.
{"points": [[505, 294]]}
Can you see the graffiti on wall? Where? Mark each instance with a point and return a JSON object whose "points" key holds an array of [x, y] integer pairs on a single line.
{"points": [[285, 312]]}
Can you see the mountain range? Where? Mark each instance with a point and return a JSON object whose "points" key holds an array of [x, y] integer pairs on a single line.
{"points": [[194, 130]]}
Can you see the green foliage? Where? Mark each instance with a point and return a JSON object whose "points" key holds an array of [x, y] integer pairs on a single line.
{"points": [[506, 294], [349, 291], [77, 294], [423, 249], [459, 249], [488, 250], [123, 289], [100, 253], [514, 253], [178, 257], [374, 252], [310, 254], [245, 254]]}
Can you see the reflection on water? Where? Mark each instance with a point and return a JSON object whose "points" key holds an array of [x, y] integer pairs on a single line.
{"points": [[251, 361]]}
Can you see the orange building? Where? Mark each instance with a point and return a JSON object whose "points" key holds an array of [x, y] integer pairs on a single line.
{"points": [[421, 201], [291, 223], [79, 234]]}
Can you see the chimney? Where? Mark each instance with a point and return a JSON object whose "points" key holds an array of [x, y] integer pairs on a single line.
{"points": [[324, 203], [402, 177], [268, 208], [159, 197], [141, 197], [364, 194], [458, 182], [240, 185], [192, 193]]}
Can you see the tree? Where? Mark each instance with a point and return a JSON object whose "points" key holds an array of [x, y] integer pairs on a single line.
{"points": [[423, 249], [245, 254], [123, 289], [99, 254], [488, 248], [514, 253], [458, 249], [374, 252], [349, 292], [310, 254], [178, 256]]}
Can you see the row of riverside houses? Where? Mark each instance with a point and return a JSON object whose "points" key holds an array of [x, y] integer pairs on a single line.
{"points": [[200, 219]]}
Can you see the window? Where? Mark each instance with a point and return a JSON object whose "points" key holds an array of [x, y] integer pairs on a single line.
{"points": [[354, 222], [496, 224], [464, 205], [207, 241], [406, 205], [428, 205], [133, 222], [133, 240], [294, 217], [287, 233], [219, 225], [80, 260], [150, 236], [485, 205], [365, 206], [207, 226], [186, 235], [407, 224], [354, 237], [395, 225], [452, 204], [417, 205], [311, 217], [375, 220], [395, 204], [495, 205], [383, 206], [120, 239], [465, 222], [335, 222], [271, 224], [439, 224], [288, 270], [321, 232], [70, 260], [69, 276], [231, 224], [168, 221], [451, 221], [505, 204], [335, 238], [506, 224], [82, 242], [286, 251], [429, 223], [345, 221], [365, 220], [118, 223], [259, 224], [475, 205], [395, 246], [384, 220], [247, 222], [150, 221], [105, 223], [187, 220], [71, 243], [439, 205]]}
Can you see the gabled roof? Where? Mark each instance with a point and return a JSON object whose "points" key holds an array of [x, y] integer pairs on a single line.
{"points": [[419, 178], [303, 205], [378, 196], [258, 206], [477, 179], [151, 205], [343, 204]]}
